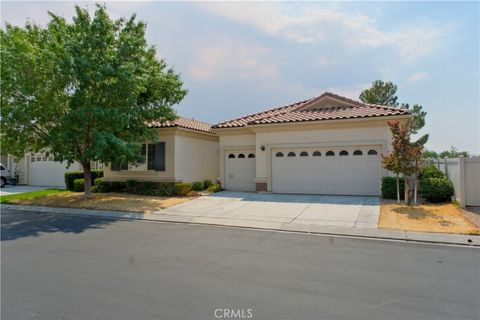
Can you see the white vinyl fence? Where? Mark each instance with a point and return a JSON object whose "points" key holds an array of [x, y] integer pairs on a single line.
{"points": [[465, 175]]}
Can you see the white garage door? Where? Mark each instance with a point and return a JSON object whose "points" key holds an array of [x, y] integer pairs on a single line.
{"points": [[44, 171], [327, 170], [240, 171]]}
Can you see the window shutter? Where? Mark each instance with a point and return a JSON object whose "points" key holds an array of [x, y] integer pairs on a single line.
{"points": [[115, 166], [160, 156]]}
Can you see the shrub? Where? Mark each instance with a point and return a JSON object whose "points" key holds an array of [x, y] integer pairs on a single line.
{"points": [[437, 189], [198, 186], [214, 188], [182, 188], [430, 171], [131, 186], [117, 186], [165, 189], [100, 186], [70, 176], [78, 185], [207, 183], [389, 188]]}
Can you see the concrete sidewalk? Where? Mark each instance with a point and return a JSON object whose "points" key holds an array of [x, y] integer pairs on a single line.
{"points": [[441, 238]]}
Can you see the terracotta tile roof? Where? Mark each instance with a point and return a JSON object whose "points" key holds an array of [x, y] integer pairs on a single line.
{"points": [[295, 112], [186, 123]]}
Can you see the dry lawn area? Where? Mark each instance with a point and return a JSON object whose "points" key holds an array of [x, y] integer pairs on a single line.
{"points": [[444, 218], [104, 201]]}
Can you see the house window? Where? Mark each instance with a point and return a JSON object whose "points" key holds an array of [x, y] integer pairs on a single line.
{"points": [[251, 155], [39, 159], [279, 155], [241, 156], [343, 153], [317, 154], [372, 152], [154, 157], [330, 153], [357, 152], [151, 157], [304, 154], [32, 159], [231, 156], [291, 154]]}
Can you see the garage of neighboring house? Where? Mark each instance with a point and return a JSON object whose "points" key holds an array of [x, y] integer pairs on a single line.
{"points": [[324, 145], [44, 171]]}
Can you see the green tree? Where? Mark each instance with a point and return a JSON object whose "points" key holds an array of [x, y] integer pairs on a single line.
{"points": [[385, 93], [381, 92], [453, 153], [85, 91], [429, 154]]}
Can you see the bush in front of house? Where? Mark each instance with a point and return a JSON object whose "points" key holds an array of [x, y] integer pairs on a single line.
{"points": [[198, 186], [131, 186], [430, 171], [70, 176], [100, 186], [78, 185], [182, 188], [389, 188], [165, 189], [214, 188], [437, 189], [207, 183]]}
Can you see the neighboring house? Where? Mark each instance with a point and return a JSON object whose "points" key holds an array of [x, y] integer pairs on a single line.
{"points": [[39, 169], [325, 145], [186, 150]]}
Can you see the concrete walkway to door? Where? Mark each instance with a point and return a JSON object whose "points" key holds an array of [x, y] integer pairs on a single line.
{"points": [[276, 210]]}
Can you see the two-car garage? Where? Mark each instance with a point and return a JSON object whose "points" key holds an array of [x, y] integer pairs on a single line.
{"points": [[328, 170], [347, 170]]}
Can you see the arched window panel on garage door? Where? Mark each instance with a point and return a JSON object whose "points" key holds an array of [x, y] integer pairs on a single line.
{"points": [[279, 155], [343, 153], [251, 155], [330, 153], [304, 154], [291, 154], [357, 153], [241, 156], [231, 156], [372, 152]]}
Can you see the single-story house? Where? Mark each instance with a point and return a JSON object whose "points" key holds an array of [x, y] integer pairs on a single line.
{"points": [[186, 150], [325, 145]]}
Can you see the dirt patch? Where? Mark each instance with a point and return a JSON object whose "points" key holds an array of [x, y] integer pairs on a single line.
{"points": [[105, 201], [444, 218]]}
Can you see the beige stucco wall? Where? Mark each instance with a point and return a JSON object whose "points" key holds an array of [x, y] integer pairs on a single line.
{"points": [[331, 133], [189, 156], [196, 157], [167, 136]]}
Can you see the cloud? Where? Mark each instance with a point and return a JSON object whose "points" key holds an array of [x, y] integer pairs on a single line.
{"points": [[226, 58], [352, 91], [418, 76], [312, 24]]}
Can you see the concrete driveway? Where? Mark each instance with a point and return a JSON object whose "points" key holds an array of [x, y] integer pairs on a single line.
{"points": [[20, 189], [276, 210]]}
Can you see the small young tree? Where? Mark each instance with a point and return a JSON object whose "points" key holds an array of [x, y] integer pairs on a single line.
{"points": [[402, 158], [84, 90]]}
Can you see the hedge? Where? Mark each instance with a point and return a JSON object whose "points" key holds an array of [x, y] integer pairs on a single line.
{"points": [[214, 188], [430, 171], [207, 183], [389, 188], [182, 188], [198, 186], [437, 189], [70, 176], [78, 185]]}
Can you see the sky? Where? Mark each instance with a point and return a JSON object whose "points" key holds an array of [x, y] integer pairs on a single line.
{"points": [[237, 58]]}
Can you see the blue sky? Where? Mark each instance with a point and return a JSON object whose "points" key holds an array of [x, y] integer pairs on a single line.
{"points": [[238, 58]]}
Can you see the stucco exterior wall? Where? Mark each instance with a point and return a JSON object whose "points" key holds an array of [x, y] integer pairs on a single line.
{"points": [[196, 157], [342, 133], [167, 136]]}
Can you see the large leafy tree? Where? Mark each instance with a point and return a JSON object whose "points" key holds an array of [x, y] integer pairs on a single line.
{"points": [[85, 91], [385, 93]]}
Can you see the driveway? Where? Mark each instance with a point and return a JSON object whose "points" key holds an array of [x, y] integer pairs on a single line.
{"points": [[20, 189], [277, 210]]}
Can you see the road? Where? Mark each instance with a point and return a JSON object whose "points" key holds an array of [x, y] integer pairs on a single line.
{"points": [[67, 267]]}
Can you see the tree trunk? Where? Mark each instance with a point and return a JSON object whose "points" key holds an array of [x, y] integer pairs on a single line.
{"points": [[407, 190], [87, 176], [398, 189], [416, 190]]}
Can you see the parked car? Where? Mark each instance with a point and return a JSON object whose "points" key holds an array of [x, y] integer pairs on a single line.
{"points": [[5, 176]]}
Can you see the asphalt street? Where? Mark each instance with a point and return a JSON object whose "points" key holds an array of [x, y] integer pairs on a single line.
{"points": [[57, 266]]}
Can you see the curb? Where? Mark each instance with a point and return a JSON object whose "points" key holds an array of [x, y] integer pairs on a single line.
{"points": [[413, 237]]}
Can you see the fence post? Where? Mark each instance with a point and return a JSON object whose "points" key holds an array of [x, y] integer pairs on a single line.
{"points": [[438, 163], [445, 164], [461, 181]]}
